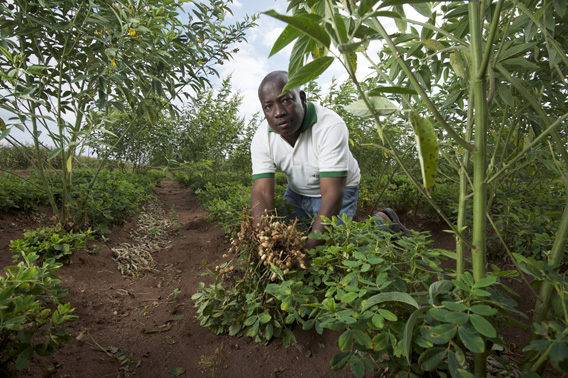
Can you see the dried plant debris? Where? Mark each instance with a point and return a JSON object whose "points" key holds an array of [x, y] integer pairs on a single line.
{"points": [[274, 243], [151, 235]]}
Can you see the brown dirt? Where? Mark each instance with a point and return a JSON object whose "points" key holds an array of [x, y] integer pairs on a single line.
{"points": [[140, 316]]}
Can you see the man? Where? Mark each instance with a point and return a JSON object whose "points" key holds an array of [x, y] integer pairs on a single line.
{"points": [[310, 144]]}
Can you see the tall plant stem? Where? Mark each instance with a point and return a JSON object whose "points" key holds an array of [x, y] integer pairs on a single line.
{"points": [[462, 204], [554, 259], [479, 159]]}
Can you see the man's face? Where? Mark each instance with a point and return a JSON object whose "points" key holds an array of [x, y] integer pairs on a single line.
{"points": [[284, 112]]}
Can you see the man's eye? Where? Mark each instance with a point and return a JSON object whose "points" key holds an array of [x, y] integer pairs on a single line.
{"points": [[286, 101], [267, 107]]}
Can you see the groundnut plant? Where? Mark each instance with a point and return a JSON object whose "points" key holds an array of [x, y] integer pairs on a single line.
{"points": [[236, 302]]}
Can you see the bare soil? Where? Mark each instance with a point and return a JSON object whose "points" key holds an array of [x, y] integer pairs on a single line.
{"points": [[146, 326]]}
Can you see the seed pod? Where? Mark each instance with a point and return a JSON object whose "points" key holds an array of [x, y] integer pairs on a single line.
{"points": [[273, 276]]}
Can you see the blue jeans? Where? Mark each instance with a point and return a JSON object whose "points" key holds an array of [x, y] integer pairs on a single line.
{"points": [[306, 208]]}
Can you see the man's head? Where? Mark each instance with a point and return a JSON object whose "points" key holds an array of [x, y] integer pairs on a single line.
{"points": [[284, 112]]}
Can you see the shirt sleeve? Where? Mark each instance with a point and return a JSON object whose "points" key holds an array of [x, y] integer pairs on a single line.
{"points": [[262, 162], [333, 152]]}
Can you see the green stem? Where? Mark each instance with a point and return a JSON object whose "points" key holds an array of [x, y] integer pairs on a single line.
{"points": [[554, 259], [489, 43], [481, 120]]}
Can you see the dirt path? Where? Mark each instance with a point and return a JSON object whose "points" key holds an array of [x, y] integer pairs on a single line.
{"points": [[146, 326]]}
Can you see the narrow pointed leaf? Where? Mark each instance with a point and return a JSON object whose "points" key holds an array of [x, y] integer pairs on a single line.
{"points": [[308, 72], [408, 328], [288, 35], [379, 90], [380, 105], [393, 296], [305, 24]]}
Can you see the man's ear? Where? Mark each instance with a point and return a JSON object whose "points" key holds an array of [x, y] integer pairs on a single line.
{"points": [[303, 97]]}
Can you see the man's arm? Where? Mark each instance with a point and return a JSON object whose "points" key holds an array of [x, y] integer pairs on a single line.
{"points": [[332, 189], [262, 197]]}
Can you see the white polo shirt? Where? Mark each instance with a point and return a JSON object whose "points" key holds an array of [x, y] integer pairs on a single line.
{"points": [[322, 150]]}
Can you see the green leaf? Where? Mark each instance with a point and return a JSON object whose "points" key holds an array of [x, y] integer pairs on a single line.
{"points": [[559, 351], [437, 288], [483, 310], [37, 70], [520, 62], [471, 339], [380, 341], [176, 372], [454, 306], [458, 318], [357, 366], [349, 297], [439, 334], [408, 331], [308, 72], [345, 341], [306, 24], [339, 360], [458, 64], [482, 325], [250, 320], [432, 44], [380, 90], [392, 296], [365, 6], [427, 145], [388, 315], [55, 152], [431, 358], [362, 338], [378, 321], [422, 8], [24, 358], [264, 318], [380, 105], [288, 35]]}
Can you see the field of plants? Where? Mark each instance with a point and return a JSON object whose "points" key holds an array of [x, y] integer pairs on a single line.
{"points": [[142, 260]]}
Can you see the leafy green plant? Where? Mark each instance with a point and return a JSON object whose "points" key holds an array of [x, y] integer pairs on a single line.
{"points": [[550, 340], [50, 242], [31, 310], [20, 193]]}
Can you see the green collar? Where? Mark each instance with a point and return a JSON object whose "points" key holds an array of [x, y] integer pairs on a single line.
{"points": [[310, 118]]}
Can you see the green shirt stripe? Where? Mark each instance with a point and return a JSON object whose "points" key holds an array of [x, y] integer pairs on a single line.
{"points": [[334, 174], [263, 175]]}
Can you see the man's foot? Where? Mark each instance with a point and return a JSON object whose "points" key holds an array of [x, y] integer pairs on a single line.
{"points": [[395, 226]]}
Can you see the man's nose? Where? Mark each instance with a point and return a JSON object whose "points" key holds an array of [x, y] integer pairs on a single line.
{"points": [[279, 110]]}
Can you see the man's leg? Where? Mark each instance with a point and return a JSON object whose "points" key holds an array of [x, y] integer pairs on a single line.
{"points": [[392, 223]]}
